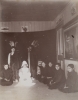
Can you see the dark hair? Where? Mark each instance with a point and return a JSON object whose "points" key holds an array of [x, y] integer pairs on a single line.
{"points": [[71, 65], [13, 47], [58, 64]]}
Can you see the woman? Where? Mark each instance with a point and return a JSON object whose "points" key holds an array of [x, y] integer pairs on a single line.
{"points": [[71, 83], [24, 73], [58, 79]]}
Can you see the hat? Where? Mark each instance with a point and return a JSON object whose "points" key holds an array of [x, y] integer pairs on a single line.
{"points": [[24, 62], [71, 65]]}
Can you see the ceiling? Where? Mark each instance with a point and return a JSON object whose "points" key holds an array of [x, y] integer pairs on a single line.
{"points": [[31, 11]]}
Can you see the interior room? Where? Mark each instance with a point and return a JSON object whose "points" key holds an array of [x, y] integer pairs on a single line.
{"points": [[39, 32]]}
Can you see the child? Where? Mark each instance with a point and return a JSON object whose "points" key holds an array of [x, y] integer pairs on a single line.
{"points": [[58, 79], [24, 73], [71, 84], [6, 78]]}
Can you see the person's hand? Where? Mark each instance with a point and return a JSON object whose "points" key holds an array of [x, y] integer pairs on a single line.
{"points": [[51, 82], [54, 82], [65, 86], [0, 77], [42, 76], [6, 79]]}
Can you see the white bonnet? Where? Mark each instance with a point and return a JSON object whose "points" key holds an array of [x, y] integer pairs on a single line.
{"points": [[24, 62]]}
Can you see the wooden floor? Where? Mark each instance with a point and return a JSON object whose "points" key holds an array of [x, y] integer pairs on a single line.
{"points": [[39, 91]]}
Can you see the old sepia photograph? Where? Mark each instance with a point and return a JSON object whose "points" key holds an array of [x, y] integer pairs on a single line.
{"points": [[38, 49]]}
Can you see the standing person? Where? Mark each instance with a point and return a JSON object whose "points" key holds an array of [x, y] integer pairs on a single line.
{"points": [[6, 78], [13, 63], [71, 84], [33, 59]]}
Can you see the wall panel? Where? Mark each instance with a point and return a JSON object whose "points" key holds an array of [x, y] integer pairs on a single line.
{"points": [[16, 26]]}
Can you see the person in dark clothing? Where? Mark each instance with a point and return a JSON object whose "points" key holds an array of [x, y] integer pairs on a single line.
{"points": [[6, 77], [58, 79], [71, 84], [14, 63], [43, 73], [38, 77], [38, 73], [50, 72]]}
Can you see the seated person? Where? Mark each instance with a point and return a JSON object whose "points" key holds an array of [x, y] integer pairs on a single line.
{"points": [[50, 72], [71, 84], [43, 73], [24, 72], [6, 77], [38, 73], [39, 70], [58, 79]]}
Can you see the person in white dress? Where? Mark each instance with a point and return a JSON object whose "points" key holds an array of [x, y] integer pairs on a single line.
{"points": [[24, 73]]}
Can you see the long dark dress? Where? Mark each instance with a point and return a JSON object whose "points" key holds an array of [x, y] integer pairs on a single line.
{"points": [[50, 73], [71, 83], [58, 79], [6, 74]]}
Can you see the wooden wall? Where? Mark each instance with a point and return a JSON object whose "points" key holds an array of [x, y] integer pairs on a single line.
{"points": [[32, 26]]}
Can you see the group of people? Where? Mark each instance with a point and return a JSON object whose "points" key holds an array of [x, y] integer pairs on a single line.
{"points": [[50, 74], [6, 75], [14, 70], [54, 77]]}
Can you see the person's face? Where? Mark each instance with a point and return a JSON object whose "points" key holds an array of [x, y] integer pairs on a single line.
{"points": [[25, 66], [57, 67], [40, 63], [11, 43], [69, 69], [5, 67], [50, 64], [13, 49], [43, 65]]}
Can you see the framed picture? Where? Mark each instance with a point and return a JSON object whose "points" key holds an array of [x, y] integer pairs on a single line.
{"points": [[71, 42]]}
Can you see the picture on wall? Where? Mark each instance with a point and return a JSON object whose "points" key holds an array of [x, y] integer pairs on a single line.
{"points": [[71, 43]]}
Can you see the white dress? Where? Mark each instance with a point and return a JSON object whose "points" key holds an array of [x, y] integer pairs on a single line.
{"points": [[24, 74], [25, 78]]}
